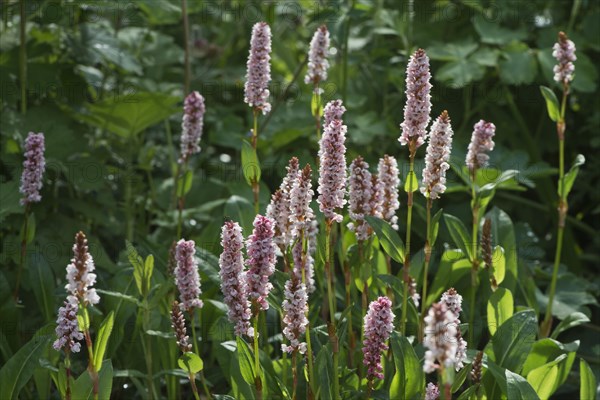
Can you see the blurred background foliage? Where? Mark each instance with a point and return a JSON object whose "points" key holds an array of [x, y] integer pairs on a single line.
{"points": [[105, 85]]}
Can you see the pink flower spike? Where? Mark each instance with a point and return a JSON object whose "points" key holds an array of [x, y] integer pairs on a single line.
{"points": [[295, 307], [256, 90], [33, 168], [67, 329], [379, 324], [317, 58], [564, 52], [233, 279], [261, 261], [360, 192], [80, 276], [481, 144], [418, 100], [432, 391], [186, 274], [389, 180], [437, 157], [278, 209], [333, 110], [191, 126]]}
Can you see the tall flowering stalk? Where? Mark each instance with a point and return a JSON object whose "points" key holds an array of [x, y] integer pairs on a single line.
{"points": [[80, 281], [486, 252], [31, 184], [256, 89], [434, 182], [182, 338], [477, 157], [564, 52], [332, 180], [378, 325], [414, 133], [317, 70], [279, 209], [68, 335], [191, 133], [389, 179]]}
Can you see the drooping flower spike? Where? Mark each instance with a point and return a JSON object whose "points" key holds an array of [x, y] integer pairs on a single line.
{"points": [[317, 58], [389, 180], [178, 325], [233, 279], [258, 76], [261, 261], [564, 52], [418, 100], [379, 324], [33, 168], [481, 144], [187, 278], [191, 126], [295, 307], [80, 274], [437, 157], [67, 329]]}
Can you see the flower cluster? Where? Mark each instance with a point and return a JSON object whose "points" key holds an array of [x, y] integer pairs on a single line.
{"points": [[67, 329], [360, 195], [317, 58], [379, 324], [476, 369], [333, 110], [564, 52], [445, 344], [233, 279], [301, 215], [33, 168], [256, 92], [432, 391], [437, 157], [191, 126], [261, 261], [389, 180], [178, 325], [278, 209], [412, 291], [80, 274], [295, 307], [332, 165], [418, 100], [187, 278], [481, 143]]}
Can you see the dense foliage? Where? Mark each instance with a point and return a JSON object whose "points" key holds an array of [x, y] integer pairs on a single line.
{"points": [[106, 82]]}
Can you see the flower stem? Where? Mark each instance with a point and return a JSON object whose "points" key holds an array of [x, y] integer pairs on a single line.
{"points": [[309, 355], [88, 341], [186, 47], [294, 375], [197, 351], [425, 269], [194, 387], [148, 351], [405, 271], [68, 370], [255, 182], [23, 57], [331, 297], [23, 256], [318, 111], [474, 260], [257, 380]]}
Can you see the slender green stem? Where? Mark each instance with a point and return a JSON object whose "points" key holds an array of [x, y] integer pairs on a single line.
{"points": [[23, 57], [90, 347], [68, 370], [257, 379], [180, 195], [186, 47], [148, 350], [128, 201], [197, 351], [406, 277], [309, 355], [331, 297], [256, 182], [23, 256], [562, 213], [475, 259], [194, 387], [425, 269], [318, 111], [294, 375]]}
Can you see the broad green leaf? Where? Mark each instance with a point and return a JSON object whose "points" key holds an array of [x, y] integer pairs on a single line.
{"points": [[518, 64], [570, 176], [42, 282], [411, 183], [323, 368], [409, 378], [20, 367], [499, 308], [82, 388], [138, 265], [544, 379], [547, 350], [459, 234], [492, 33], [587, 387], [513, 340], [388, 237], [551, 103], [486, 189], [503, 234], [435, 226], [190, 362], [453, 266], [184, 183], [518, 388], [250, 163], [246, 360], [102, 339], [468, 393], [499, 264], [573, 320], [120, 295]]}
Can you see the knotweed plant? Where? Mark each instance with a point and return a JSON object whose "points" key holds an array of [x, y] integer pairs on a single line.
{"points": [[68, 337], [414, 134], [378, 325], [31, 184], [317, 71]]}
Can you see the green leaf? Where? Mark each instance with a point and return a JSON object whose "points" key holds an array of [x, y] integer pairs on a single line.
{"points": [[518, 388], [148, 270], [551, 103], [324, 369], [30, 228], [453, 266], [513, 340], [435, 226], [518, 64], [83, 386], [19, 368], [503, 234], [486, 189], [492, 33], [316, 105], [120, 295], [575, 319], [42, 282], [570, 176], [102, 339], [190, 362], [411, 184], [239, 209], [388, 237], [184, 183], [246, 360], [138, 265], [499, 264], [587, 388], [544, 379], [409, 378], [250, 163], [459, 234], [499, 308], [547, 350]]}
